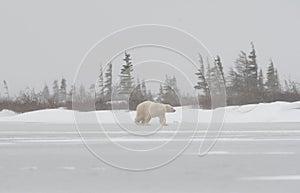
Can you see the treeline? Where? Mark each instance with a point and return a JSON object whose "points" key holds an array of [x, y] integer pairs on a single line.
{"points": [[129, 92], [245, 82]]}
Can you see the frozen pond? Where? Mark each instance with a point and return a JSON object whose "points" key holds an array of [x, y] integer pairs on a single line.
{"points": [[247, 157]]}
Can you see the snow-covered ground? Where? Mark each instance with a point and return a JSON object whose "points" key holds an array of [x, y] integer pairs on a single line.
{"points": [[7, 113], [264, 112], [257, 150]]}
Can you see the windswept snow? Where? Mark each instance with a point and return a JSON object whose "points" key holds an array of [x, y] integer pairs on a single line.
{"points": [[6, 113], [273, 178], [258, 147], [264, 112], [42, 116]]}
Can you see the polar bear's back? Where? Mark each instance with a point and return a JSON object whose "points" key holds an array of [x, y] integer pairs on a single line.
{"points": [[151, 108], [157, 109]]}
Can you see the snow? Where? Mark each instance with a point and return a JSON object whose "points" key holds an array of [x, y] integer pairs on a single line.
{"points": [[268, 112], [7, 113], [273, 178], [254, 113], [42, 116], [249, 152]]}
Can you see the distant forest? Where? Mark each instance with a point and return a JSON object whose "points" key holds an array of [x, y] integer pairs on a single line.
{"points": [[245, 83]]}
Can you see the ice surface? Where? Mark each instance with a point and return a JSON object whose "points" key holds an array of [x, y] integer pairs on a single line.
{"points": [[251, 157], [42, 152]]}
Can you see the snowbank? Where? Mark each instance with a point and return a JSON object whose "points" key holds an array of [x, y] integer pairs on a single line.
{"points": [[7, 113], [264, 112]]}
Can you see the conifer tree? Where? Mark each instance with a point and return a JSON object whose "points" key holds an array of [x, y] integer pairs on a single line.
{"points": [[271, 78], [219, 64], [144, 88], [136, 96], [252, 70], [46, 94], [261, 81], [202, 84], [100, 84], [260, 86], [277, 81], [149, 96], [107, 88], [160, 94], [6, 90], [63, 91], [71, 93], [235, 87], [241, 66], [170, 91], [126, 79], [55, 95]]}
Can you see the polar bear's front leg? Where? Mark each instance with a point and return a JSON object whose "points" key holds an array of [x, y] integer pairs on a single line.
{"points": [[162, 120]]}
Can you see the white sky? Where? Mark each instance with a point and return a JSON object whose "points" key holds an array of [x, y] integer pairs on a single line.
{"points": [[45, 40]]}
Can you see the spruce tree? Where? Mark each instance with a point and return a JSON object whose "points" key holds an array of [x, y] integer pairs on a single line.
{"points": [[261, 81], [55, 95], [100, 84], [63, 91], [71, 93], [273, 87], [277, 81], [6, 90], [235, 87], [219, 64], [242, 75], [126, 79], [173, 85], [82, 96], [144, 88], [149, 96], [138, 90], [160, 94], [260, 86], [241, 66], [271, 78], [92, 91], [215, 80], [208, 73], [136, 96], [202, 84], [252, 70], [171, 92], [107, 88], [46, 94]]}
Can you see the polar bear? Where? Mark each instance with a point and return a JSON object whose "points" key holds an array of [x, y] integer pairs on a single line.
{"points": [[148, 109]]}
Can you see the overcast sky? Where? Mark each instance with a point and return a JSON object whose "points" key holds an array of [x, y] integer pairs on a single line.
{"points": [[41, 41]]}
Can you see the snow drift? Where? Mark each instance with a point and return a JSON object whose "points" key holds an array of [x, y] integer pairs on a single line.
{"points": [[7, 113], [263, 112]]}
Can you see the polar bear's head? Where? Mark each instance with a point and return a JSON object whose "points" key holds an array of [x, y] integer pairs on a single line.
{"points": [[169, 108]]}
